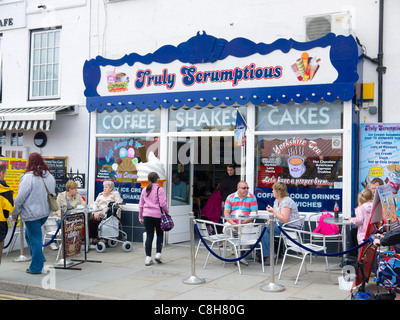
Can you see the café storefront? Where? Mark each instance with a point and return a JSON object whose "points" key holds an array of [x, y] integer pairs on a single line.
{"points": [[176, 109]]}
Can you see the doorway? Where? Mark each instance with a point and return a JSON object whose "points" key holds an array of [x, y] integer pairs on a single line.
{"points": [[196, 165]]}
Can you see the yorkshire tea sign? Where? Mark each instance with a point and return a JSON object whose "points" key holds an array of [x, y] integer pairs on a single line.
{"points": [[15, 168]]}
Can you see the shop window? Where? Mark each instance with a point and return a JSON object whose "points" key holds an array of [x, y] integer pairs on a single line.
{"points": [[3, 137], [116, 159], [204, 119], [309, 164], [126, 121], [17, 139], [44, 64]]}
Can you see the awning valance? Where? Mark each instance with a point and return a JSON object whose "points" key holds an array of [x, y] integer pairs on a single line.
{"points": [[32, 118]]}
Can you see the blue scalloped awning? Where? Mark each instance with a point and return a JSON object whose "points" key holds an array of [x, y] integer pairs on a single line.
{"points": [[344, 55]]}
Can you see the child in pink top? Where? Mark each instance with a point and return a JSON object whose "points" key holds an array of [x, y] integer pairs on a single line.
{"points": [[363, 213], [151, 199]]}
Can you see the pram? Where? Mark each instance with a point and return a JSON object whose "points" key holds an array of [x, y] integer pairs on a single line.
{"points": [[109, 229]]}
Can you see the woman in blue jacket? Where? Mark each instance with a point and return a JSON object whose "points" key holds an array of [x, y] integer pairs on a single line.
{"points": [[32, 205]]}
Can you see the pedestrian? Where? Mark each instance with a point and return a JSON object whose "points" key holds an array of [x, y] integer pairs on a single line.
{"points": [[6, 205], [151, 200], [32, 206]]}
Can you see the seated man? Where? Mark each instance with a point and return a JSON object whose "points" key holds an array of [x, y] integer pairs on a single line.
{"points": [[242, 200]]}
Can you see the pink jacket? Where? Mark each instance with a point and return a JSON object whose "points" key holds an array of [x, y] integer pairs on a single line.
{"points": [[149, 206], [363, 215]]}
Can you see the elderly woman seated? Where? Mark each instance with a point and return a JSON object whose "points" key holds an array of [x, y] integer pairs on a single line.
{"points": [[103, 199], [68, 201]]}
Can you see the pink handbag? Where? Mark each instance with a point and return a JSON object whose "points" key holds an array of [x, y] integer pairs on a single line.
{"points": [[326, 228]]}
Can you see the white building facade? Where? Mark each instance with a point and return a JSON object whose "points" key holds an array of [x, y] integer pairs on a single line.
{"points": [[45, 47]]}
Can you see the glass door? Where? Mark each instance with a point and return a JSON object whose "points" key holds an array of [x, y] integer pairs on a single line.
{"points": [[181, 159]]}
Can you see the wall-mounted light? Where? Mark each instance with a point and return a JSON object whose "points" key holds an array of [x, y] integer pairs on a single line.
{"points": [[40, 139]]}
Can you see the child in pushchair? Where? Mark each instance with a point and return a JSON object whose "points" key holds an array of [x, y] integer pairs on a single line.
{"points": [[110, 231]]}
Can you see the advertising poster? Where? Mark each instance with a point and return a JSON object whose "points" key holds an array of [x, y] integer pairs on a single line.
{"points": [[380, 157], [73, 225], [15, 168], [311, 167], [379, 152]]}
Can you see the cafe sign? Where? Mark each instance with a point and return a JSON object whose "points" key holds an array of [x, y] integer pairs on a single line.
{"points": [[207, 70], [12, 15]]}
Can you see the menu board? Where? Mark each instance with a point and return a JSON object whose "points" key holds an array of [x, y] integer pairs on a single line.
{"points": [[15, 168], [379, 151], [73, 225], [58, 168]]}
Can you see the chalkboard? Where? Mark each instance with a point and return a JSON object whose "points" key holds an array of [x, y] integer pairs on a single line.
{"points": [[58, 168]]}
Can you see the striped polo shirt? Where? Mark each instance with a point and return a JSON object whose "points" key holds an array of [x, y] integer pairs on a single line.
{"points": [[247, 204]]}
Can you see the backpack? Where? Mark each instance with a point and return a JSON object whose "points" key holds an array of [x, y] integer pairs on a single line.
{"points": [[326, 228]]}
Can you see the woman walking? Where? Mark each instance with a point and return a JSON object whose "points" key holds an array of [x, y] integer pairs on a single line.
{"points": [[151, 200], [32, 205]]}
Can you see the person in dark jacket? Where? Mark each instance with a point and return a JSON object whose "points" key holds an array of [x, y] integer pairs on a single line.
{"points": [[228, 184], [6, 206]]}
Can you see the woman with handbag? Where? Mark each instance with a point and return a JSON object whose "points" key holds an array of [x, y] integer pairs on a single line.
{"points": [[152, 201], [33, 206]]}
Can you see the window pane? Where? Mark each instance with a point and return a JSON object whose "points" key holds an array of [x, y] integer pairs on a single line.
{"points": [[55, 88], [56, 54], [51, 39], [36, 41], [42, 85], [35, 88], [116, 159], [49, 88], [50, 54], [43, 42], [36, 57], [35, 73]]}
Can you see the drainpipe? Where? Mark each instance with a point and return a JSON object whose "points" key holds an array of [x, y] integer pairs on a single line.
{"points": [[381, 69], [379, 60]]}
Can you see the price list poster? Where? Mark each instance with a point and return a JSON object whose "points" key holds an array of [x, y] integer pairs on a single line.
{"points": [[379, 152]]}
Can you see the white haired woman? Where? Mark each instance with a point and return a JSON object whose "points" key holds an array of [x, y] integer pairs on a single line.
{"points": [[103, 199]]}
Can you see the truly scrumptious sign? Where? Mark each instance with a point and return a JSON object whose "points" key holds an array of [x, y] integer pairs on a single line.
{"points": [[257, 71], [206, 70]]}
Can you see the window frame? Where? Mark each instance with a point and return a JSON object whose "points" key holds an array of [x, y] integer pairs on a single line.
{"points": [[46, 64]]}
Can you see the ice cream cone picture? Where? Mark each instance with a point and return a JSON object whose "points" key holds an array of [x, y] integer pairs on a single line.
{"points": [[305, 67], [149, 163], [314, 66]]}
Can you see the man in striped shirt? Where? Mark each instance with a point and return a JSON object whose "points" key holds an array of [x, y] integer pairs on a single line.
{"points": [[242, 200]]}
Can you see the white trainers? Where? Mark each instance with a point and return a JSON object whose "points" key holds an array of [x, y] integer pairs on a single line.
{"points": [[158, 257], [53, 246], [148, 261]]}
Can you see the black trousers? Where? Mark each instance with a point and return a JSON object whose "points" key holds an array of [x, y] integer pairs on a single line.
{"points": [[150, 224]]}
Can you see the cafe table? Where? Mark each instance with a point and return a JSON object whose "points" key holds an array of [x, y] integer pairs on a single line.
{"points": [[344, 222]]}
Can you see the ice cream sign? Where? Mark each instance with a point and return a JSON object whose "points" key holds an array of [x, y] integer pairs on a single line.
{"points": [[276, 69]]}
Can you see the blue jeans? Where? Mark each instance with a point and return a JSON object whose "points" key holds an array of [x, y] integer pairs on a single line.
{"points": [[265, 239], [33, 237]]}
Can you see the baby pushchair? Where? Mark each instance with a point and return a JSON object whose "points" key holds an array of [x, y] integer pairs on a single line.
{"points": [[109, 230]]}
